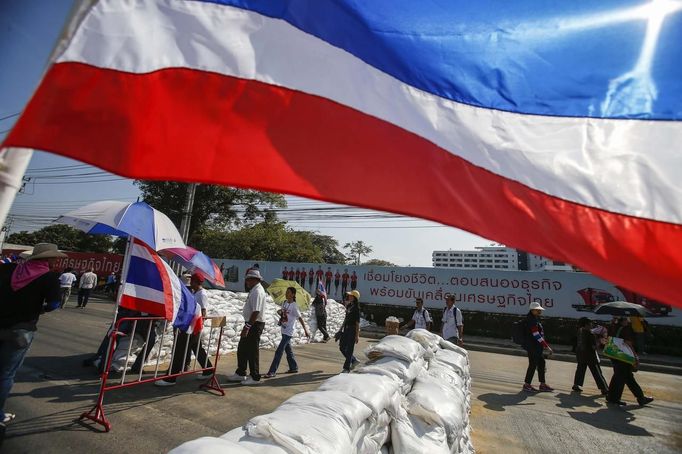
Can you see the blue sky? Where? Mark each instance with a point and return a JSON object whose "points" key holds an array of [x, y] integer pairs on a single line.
{"points": [[28, 31]]}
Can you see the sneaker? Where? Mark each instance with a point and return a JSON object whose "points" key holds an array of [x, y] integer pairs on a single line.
{"points": [[269, 375], [642, 402], [545, 388], [291, 371], [615, 402], [235, 378], [250, 381], [164, 383], [11, 416], [577, 389], [354, 364], [529, 388]]}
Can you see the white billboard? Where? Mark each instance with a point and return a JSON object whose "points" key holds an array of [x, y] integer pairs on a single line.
{"points": [[563, 294]]}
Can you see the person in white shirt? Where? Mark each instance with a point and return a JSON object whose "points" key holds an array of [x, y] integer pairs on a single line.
{"points": [[66, 281], [87, 283], [420, 319], [288, 316], [247, 349], [453, 322]]}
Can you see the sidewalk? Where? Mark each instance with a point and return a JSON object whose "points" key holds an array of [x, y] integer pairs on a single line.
{"points": [[653, 363]]}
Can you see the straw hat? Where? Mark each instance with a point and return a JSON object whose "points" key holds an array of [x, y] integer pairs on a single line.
{"points": [[42, 251], [354, 293], [254, 274]]}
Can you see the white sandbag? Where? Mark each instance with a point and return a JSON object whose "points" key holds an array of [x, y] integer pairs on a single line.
{"points": [[379, 393], [118, 360], [252, 444], [447, 375], [373, 440], [411, 435], [454, 360], [211, 445], [399, 370], [313, 422], [447, 345], [427, 339], [437, 403], [397, 347]]}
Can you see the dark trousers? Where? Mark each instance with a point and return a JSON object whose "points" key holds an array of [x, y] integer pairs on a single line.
{"points": [[83, 296], [599, 379], [347, 346], [247, 351], [322, 326], [535, 361], [142, 356], [622, 375], [190, 343]]}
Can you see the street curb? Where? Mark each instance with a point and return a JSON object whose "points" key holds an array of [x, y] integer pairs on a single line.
{"points": [[566, 357]]}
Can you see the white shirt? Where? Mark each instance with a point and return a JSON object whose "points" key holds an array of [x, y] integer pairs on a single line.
{"points": [[255, 302], [292, 315], [201, 298], [88, 280], [421, 319], [67, 279], [452, 318]]}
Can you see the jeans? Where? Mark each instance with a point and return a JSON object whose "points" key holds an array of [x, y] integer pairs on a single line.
{"points": [[64, 294], [247, 351], [347, 345], [535, 361], [14, 345], [83, 296], [599, 379], [284, 346], [622, 375]]}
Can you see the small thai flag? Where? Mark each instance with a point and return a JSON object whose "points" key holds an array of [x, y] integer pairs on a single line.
{"points": [[322, 290]]}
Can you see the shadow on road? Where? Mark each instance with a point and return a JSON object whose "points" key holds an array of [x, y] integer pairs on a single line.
{"points": [[611, 419], [498, 402], [300, 378], [574, 400]]}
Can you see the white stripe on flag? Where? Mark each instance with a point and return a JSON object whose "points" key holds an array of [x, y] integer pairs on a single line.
{"points": [[627, 167], [141, 252], [138, 291]]}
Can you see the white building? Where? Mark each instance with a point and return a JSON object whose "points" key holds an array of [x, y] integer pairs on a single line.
{"points": [[496, 257]]}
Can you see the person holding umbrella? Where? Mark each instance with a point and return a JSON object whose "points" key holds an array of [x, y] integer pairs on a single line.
{"points": [[622, 371]]}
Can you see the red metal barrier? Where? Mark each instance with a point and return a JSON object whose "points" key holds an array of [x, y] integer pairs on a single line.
{"points": [[96, 413]]}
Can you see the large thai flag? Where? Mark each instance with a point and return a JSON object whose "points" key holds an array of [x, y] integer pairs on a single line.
{"points": [[550, 126], [151, 286]]}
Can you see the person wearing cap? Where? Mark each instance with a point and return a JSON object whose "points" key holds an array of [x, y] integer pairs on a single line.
{"points": [[247, 349], [26, 290], [191, 343], [535, 345], [586, 356], [349, 335], [421, 319]]}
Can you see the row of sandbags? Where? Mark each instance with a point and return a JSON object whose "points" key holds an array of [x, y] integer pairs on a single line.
{"points": [[412, 396]]}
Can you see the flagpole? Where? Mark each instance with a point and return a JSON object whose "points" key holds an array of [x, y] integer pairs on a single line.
{"points": [[12, 169]]}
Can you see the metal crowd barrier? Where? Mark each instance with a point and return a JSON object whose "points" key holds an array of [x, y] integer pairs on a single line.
{"points": [[96, 413]]}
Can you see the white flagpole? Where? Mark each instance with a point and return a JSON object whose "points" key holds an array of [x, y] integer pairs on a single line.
{"points": [[13, 164]]}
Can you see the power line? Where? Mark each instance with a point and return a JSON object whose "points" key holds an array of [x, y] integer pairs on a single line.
{"points": [[9, 116]]}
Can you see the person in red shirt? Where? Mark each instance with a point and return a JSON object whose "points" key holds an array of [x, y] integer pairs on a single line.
{"points": [[303, 276], [328, 278], [344, 282], [311, 278], [353, 280], [285, 273], [337, 279], [297, 275], [319, 274], [291, 274]]}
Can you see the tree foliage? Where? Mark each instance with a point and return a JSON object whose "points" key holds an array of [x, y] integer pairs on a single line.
{"points": [[271, 241], [215, 207], [65, 237], [356, 250], [379, 262]]}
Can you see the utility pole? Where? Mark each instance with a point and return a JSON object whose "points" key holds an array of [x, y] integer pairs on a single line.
{"points": [[187, 212]]}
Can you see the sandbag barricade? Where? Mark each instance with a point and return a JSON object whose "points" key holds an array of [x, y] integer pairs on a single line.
{"points": [[126, 328], [412, 396]]}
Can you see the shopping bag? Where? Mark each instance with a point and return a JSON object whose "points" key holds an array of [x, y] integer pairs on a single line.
{"points": [[617, 349]]}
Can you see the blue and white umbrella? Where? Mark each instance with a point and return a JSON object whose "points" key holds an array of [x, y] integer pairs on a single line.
{"points": [[125, 219]]}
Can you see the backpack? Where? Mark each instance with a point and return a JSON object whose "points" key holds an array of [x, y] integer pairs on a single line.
{"points": [[519, 332]]}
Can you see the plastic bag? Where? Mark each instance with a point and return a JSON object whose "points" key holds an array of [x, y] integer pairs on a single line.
{"points": [[396, 347], [427, 339], [377, 392]]}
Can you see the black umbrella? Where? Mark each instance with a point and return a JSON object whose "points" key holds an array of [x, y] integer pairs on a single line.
{"points": [[621, 308]]}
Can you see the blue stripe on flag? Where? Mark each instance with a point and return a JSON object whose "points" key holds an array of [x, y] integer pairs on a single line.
{"points": [[186, 310], [578, 59], [144, 273]]}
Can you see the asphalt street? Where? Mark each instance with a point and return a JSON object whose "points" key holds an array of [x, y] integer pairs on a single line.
{"points": [[53, 389]]}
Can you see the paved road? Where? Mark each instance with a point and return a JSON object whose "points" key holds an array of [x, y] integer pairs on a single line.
{"points": [[52, 389]]}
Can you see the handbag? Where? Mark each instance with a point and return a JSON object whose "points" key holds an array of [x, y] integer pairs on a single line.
{"points": [[617, 349]]}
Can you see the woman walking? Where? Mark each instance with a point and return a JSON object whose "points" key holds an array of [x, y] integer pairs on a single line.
{"points": [[287, 320], [350, 330], [587, 356], [622, 371], [535, 345]]}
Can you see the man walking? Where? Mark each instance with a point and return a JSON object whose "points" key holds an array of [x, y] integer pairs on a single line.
{"points": [[453, 322], [87, 283], [420, 319], [320, 308], [247, 349], [66, 281], [26, 290]]}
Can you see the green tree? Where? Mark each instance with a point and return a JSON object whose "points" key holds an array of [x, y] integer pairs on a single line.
{"points": [[215, 207], [356, 250], [378, 262], [65, 237]]}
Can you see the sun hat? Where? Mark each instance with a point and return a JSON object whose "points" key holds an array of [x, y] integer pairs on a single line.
{"points": [[45, 251], [253, 274], [354, 293], [535, 305]]}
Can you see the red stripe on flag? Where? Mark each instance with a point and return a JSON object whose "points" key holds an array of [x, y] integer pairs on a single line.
{"points": [[165, 280], [142, 305], [142, 126]]}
